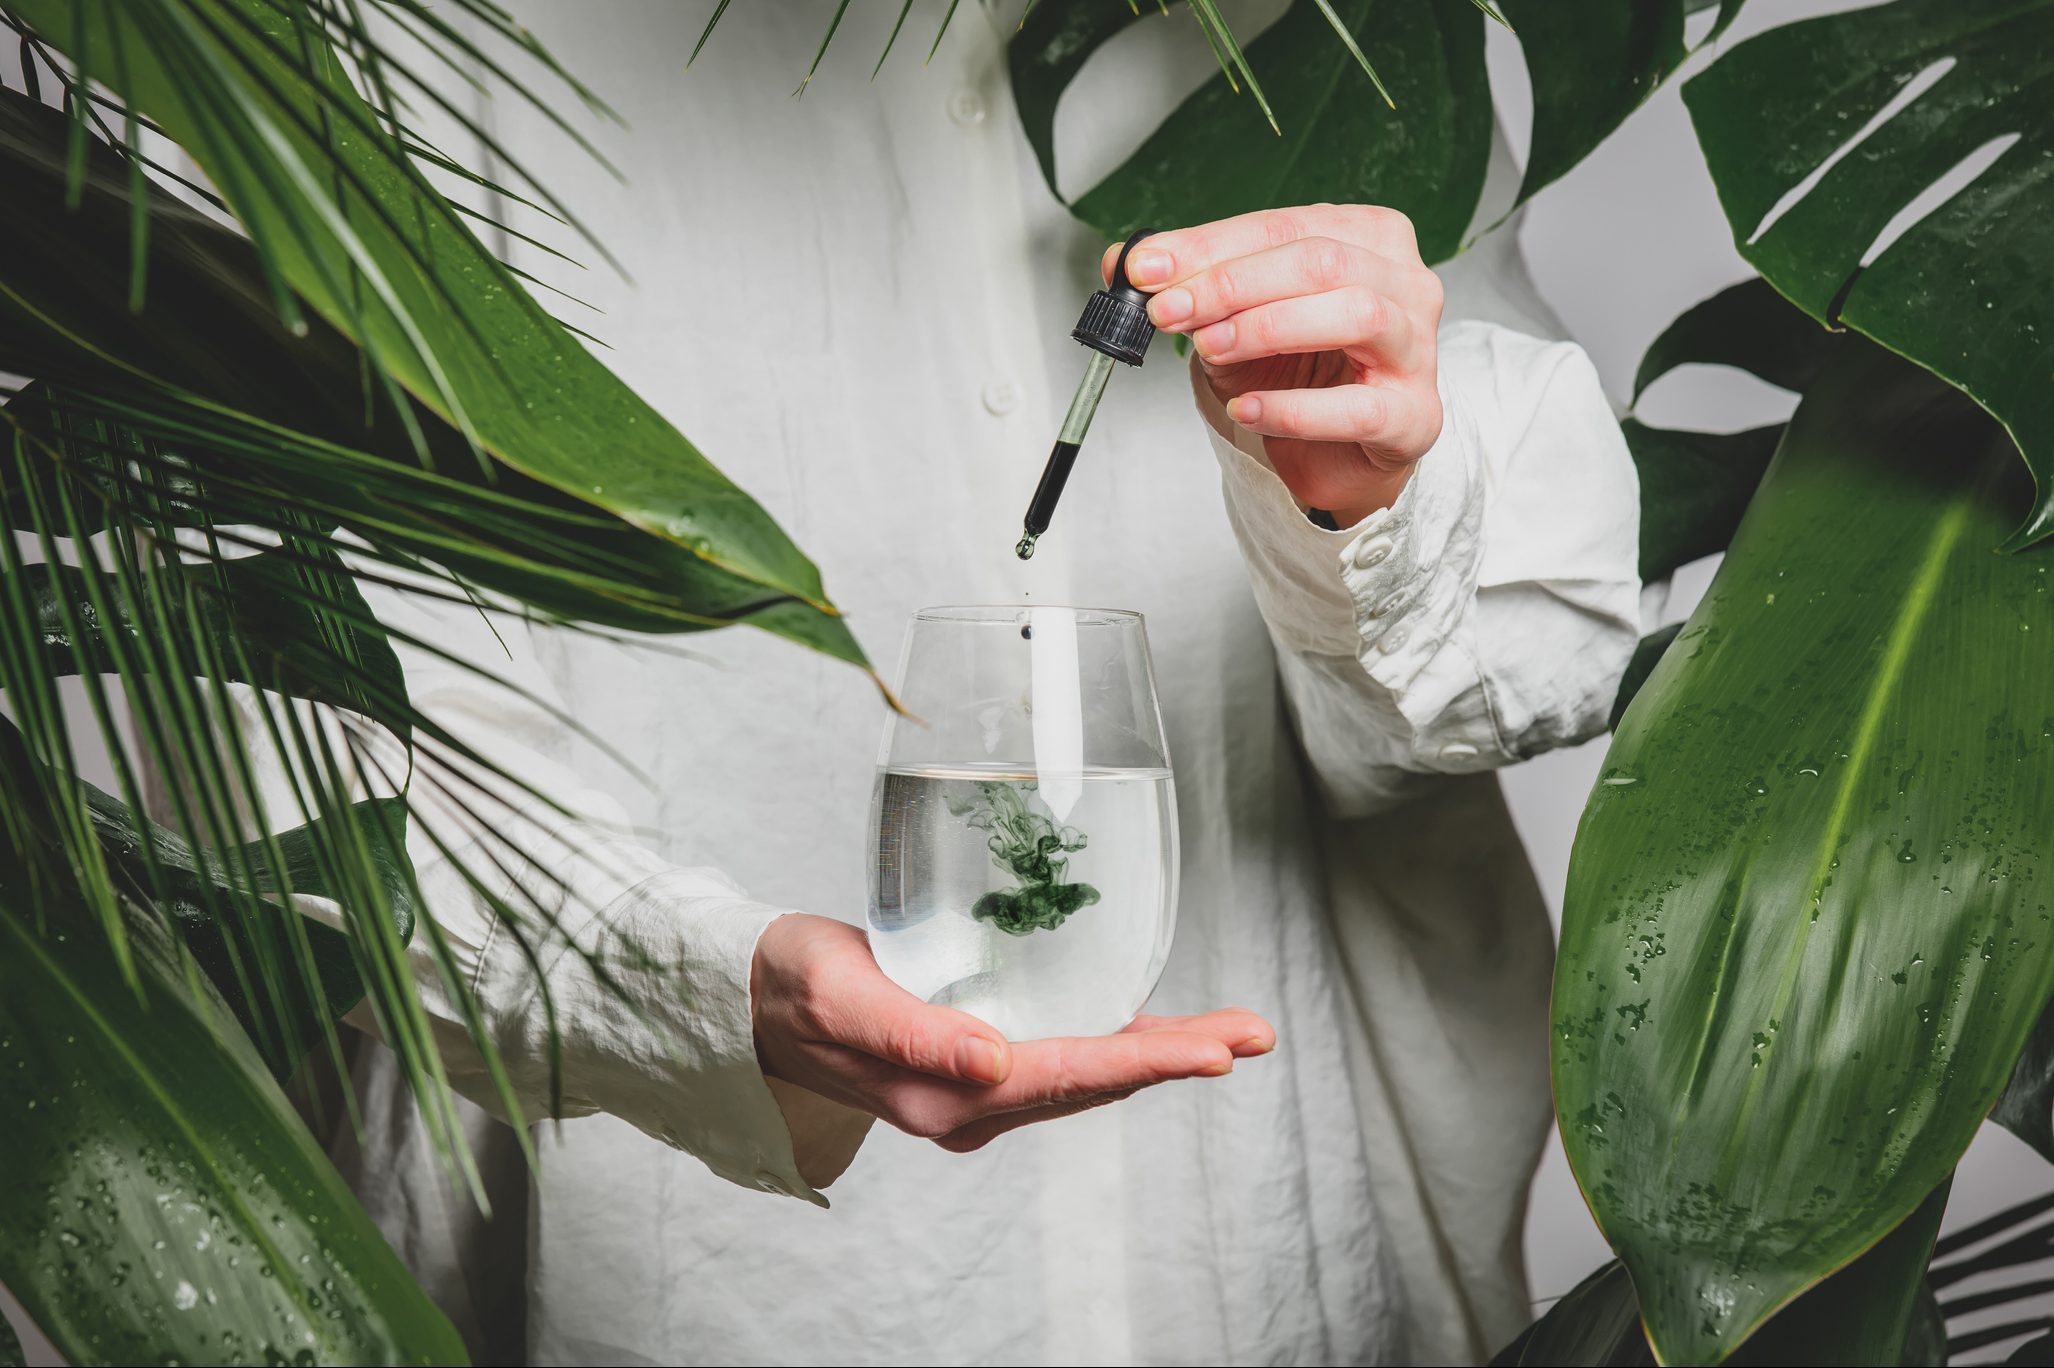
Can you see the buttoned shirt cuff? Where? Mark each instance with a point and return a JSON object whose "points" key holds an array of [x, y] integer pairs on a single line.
{"points": [[647, 974], [1390, 591], [651, 1003]]}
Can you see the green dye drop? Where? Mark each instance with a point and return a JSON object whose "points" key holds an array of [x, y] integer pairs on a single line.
{"points": [[1024, 548], [1033, 849]]}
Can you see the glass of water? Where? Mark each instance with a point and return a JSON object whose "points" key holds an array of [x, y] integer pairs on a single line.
{"points": [[1023, 860]]}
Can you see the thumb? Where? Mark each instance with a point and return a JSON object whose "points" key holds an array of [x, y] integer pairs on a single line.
{"points": [[868, 1012]]}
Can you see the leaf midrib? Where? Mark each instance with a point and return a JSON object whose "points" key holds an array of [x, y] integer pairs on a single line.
{"points": [[1920, 592]]}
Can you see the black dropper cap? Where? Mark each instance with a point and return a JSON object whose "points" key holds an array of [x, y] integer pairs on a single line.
{"points": [[1115, 321]]}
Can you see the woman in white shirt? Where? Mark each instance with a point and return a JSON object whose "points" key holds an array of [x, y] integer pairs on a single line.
{"points": [[859, 304]]}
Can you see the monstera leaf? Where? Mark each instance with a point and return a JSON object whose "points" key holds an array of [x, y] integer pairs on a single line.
{"points": [[1808, 927], [1810, 180], [163, 1203], [1694, 486], [1425, 152]]}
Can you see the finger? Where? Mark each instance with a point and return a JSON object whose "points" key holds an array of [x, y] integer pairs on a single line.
{"points": [[868, 1012], [1240, 1030], [1166, 258], [1051, 1073], [1381, 419], [1309, 266], [1356, 319], [982, 1132]]}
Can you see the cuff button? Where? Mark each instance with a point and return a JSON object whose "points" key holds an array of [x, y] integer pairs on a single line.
{"points": [[1392, 640], [770, 1182], [1373, 552]]}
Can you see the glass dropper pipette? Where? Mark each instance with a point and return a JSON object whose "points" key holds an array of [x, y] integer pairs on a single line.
{"points": [[1115, 326]]}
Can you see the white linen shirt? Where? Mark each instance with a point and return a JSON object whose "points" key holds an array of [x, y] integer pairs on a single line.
{"points": [[858, 304]]}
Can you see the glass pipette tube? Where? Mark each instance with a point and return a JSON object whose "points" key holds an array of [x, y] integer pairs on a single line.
{"points": [[1056, 473]]}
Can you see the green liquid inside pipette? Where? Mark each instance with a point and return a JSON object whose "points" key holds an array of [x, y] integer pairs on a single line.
{"points": [[1057, 472]]}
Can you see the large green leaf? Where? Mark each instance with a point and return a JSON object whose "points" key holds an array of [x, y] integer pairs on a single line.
{"points": [[282, 1016], [162, 1202], [1806, 931], [1590, 65], [1866, 1312], [2027, 1107], [1863, 1314], [1694, 489], [1424, 154], [283, 977], [270, 624], [1595, 1325], [251, 91], [1968, 290], [1694, 486]]}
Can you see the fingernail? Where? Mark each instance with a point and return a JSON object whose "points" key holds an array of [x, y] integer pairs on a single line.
{"points": [[1147, 268], [1225, 1066], [1215, 339], [980, 1060], [1170, 308], [1254, 1045], [1245, 410]]}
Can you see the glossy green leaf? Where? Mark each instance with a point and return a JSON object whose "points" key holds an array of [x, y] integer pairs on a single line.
{"points": [[283, 977], [265, 611], [2027, 1107], [1694, 486], [283, 1030], [1866, 1312], [1590, 65], [250, 90], [1646, 656], [1806, 929], [163, 1203], [1748, 327], [1810, 180], [1925, 1343], [1694, 489], [1863, 1314], [1595, 1325], [1340, 141]]}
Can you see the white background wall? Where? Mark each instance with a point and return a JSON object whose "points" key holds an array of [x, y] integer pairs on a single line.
{"points": [[1621, 246]]}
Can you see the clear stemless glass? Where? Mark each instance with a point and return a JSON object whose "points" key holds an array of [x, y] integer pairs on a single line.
{"points": [[1024, 826]]}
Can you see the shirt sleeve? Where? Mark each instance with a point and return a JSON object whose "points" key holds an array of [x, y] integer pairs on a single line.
{"points": [[1484, 617], [646, 964]]}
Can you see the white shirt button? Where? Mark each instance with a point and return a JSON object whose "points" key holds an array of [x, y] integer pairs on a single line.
{"points": [[1385, 608], [1392, 640], [1458, 751], [1373, 552], [1000, 398], [967, 108]]}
